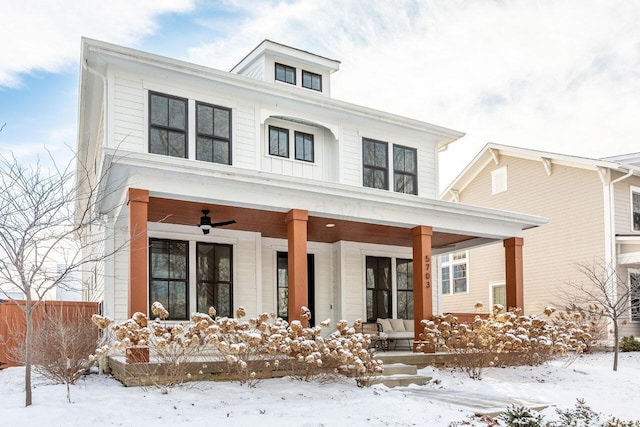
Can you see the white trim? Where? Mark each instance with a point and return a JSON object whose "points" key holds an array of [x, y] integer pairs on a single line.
{"points": [[450, 263], [629, 272], [499, 180], [493, 285]]}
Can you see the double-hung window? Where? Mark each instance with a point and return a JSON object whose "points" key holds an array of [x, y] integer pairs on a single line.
{"points": [[405, 175], [304, 146], [375, 161], [167, 125], [278, 141], [285, 73], [168, 276], [311, 80], [453, 273], [213, 140], [635, 208]]}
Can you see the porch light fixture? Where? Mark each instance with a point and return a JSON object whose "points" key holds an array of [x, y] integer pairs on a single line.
{"points": [[330, 225], [206, 225]]}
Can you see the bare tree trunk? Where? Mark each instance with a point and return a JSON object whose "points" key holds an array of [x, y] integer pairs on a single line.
{"points": [[616, 344], [27, 350]]}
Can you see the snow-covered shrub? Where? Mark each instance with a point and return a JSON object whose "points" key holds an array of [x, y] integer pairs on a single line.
{"points": [[589, 319], [521, 416], [629, 344], [504, 338]]}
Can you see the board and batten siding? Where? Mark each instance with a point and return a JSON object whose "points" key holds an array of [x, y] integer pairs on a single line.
{"points": [[570, 197]]}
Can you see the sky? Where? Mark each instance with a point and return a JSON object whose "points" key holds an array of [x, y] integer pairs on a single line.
{"points": [[560, 76]]}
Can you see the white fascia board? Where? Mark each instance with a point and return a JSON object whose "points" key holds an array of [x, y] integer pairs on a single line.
{"points": [[189, 180], [126, 56]]}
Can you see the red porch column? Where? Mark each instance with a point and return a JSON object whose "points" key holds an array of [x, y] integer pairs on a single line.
{"points": [[422, 297], [138, 201], [296, 220], [513, 272]]}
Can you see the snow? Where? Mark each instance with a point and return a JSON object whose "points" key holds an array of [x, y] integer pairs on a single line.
{"points": [[101, 400]]}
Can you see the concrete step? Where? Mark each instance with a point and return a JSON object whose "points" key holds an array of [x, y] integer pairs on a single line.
{"points": [[399, 368], [402, 380]]}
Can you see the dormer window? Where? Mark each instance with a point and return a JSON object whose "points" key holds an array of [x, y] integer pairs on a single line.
{"points": [[278, 141], [285, 73], [311, 80], [304, 146]]}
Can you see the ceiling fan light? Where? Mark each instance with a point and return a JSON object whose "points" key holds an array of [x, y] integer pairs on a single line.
{"points": [[205, 222]]}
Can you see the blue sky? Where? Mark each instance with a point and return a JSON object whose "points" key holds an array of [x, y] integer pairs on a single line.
{"points": [[561, 76]]}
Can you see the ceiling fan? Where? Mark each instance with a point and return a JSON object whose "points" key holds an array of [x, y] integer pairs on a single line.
{"points": [[206, 225]]}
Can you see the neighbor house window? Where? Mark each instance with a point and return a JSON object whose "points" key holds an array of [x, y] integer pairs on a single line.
{"points": [[213, 140], [167, 125], [405, 170], [498, 295], [286, 74], [214, 279], [278, 141], [311, 80], [453, 273], [634, 282], [499, 180], [375, 164], [168, 276], [378, 281], [635, 208], [404, 288], [304, 146]]}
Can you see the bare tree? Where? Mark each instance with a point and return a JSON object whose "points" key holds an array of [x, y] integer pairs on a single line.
{"points": [[50, 219], [605, 294]]}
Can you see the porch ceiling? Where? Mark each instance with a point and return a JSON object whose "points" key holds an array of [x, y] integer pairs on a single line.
{"points": [[272, 224]]}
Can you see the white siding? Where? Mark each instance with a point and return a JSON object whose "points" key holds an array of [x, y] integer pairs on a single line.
{"points": [[351, 157], [129, 113]]}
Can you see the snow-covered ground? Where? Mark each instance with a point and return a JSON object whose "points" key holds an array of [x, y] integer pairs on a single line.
{"points": [[102, 401]]}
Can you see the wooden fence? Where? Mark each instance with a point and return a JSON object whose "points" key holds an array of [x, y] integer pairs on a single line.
{"points": [[13, 323]]}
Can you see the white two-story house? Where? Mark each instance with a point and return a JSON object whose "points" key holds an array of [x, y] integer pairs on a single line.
{"points": [[256, 188]]}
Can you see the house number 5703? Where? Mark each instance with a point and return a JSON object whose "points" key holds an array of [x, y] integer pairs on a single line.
{"points": [[427, 271]]}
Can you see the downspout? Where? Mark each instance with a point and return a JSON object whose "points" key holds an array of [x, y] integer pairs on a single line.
{"points": [[610, 235]]}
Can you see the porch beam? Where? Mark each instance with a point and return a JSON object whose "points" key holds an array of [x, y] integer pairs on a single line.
{"points": [[514, 277], [422, 291], [138, 201], [297, 220]]}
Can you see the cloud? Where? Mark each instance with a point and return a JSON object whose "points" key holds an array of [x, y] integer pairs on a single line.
{"points": [[45, 35]]}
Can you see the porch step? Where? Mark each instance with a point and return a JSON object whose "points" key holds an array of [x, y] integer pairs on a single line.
{"points": [[399, 369], [400, 375]]}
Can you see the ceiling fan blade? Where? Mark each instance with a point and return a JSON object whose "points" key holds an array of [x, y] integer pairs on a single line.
{"points": [[223, 223]]}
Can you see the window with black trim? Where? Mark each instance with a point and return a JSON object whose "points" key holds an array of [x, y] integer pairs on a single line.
{"points": [[167, 125], [168, 276], [404, 288], [214, 278], [635, 208], [375, 163], [378, 280], [405, 173], [311, 80], [213, 138], [282, 284], [278, 141], [285, 73], [304, 146]]}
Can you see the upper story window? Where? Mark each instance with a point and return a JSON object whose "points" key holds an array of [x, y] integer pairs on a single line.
{"points": [[311, 80], [213, 140], [304, 146], [375, 164], [285, 73], [167, 125], [635, 208], [405, 174], [278, 141], [453, 273]]}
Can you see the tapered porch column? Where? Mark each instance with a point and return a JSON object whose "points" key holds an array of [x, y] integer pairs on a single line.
{"points": [[138, 201], [422, 296], [296, 220], [513, 272]]}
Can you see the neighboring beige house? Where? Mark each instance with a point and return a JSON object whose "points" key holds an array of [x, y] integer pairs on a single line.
{"points": [[593, 208]]}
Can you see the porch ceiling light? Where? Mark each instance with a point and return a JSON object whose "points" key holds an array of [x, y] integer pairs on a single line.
{"points": [[206, 225]]}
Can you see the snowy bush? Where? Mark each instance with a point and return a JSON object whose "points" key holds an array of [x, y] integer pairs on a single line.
{"points": [[629, 344], [502, 338], [253, 349]]}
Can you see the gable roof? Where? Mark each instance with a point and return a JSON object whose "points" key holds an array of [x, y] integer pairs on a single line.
{"points": [[492, 152]]}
